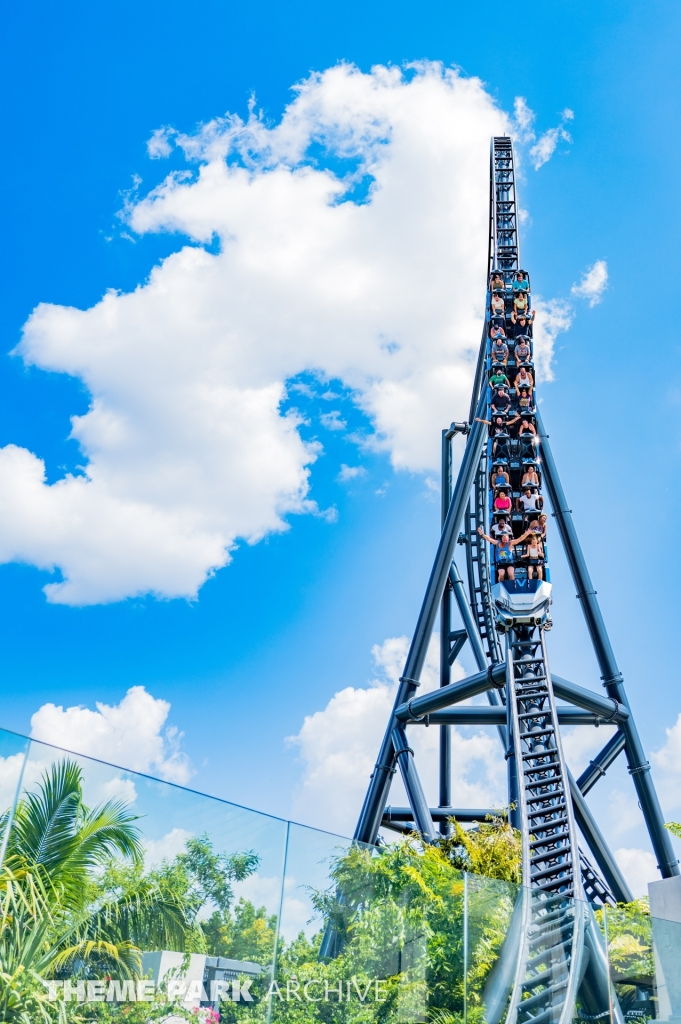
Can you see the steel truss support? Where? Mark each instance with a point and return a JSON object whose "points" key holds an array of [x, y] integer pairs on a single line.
{"points": [[605, 709], [466, 814], [639, 768], [497, 716], [465, 507], [446, 650], [601, 762], [375, 800], [598, 846], [412, 784]]}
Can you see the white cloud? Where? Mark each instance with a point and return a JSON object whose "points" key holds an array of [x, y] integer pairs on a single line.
{"points": [[593, 284], [581, 742], [553, 317], [186, 447], [350, 473], [667, 762], [545, 146], [160, 144], [338, 747], [332, 420], [10, 773], [130, 734], [639, 867], [524, 119], [165, 848]]}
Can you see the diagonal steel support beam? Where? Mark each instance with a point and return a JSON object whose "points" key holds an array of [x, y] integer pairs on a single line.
{"points": [[497, 716], [468, 814], [639, 768], [598, 845], [417, 707], [412, 783], [605, 708], [601, 762], [474, 638], [379, 785]]}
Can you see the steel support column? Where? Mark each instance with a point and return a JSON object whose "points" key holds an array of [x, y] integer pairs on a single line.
{"points": [[379, 785], [598, 845], [467, 814], [474, 639], [417, 707], [412, 784], [639, 768], [445, 788], [601, 762]]}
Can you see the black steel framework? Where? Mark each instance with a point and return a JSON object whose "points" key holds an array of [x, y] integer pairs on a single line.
{"points": [[545, 802]]}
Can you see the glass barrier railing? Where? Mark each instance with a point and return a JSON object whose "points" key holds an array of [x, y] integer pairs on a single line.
{"points": [[129, 899]]}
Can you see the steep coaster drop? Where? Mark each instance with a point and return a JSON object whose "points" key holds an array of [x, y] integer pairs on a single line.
{"points": [[552, 967]]}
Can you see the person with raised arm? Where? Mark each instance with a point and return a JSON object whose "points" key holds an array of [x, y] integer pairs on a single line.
{"points": [[534, 553], [503, 555]]}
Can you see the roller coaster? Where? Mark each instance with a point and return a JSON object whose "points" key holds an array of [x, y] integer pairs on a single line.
{"points": [[552, 967]]}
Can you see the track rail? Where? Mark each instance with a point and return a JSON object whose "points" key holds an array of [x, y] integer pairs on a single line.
{"points": [[552, 919]]}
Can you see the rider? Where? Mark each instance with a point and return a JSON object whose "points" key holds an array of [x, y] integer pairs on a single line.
{"points": [[503, 555], [499, 380], [499, 351], [522, 351]]}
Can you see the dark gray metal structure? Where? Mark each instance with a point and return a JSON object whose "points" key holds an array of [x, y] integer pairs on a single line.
{"points": [[506, 624]]}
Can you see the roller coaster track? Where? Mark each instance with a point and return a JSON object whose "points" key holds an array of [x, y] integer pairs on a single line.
{"points": [[552, 966]]}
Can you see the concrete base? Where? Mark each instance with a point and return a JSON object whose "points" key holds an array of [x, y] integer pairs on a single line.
{"points": [[665, 910]]}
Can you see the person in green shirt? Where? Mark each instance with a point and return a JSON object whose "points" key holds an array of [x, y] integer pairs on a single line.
{"points": [[499, 380]]}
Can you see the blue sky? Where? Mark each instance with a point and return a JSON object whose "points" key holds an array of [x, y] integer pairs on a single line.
{"points": [[293, 619]]}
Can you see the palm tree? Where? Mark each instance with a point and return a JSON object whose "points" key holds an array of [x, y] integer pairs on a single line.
{"points": [[54, 835], [49, 922]]}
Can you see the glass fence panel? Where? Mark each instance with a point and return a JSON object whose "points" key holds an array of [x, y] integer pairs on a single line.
{"points": [[13, 750], [137, 900], [629, 937], [666, 936], [492, 922], [147, 893], [368, 933], [644, 955]]}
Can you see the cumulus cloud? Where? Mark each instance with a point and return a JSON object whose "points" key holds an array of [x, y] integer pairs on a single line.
{"points": [[350, 473], [542, 148], [667, 764], [335, 236], [580, 743], [524, 119], [593, 284], [165, 848], [132, 734], [332, 420], [553, 317], [639, 867], [160, 143], [338, 748]]}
